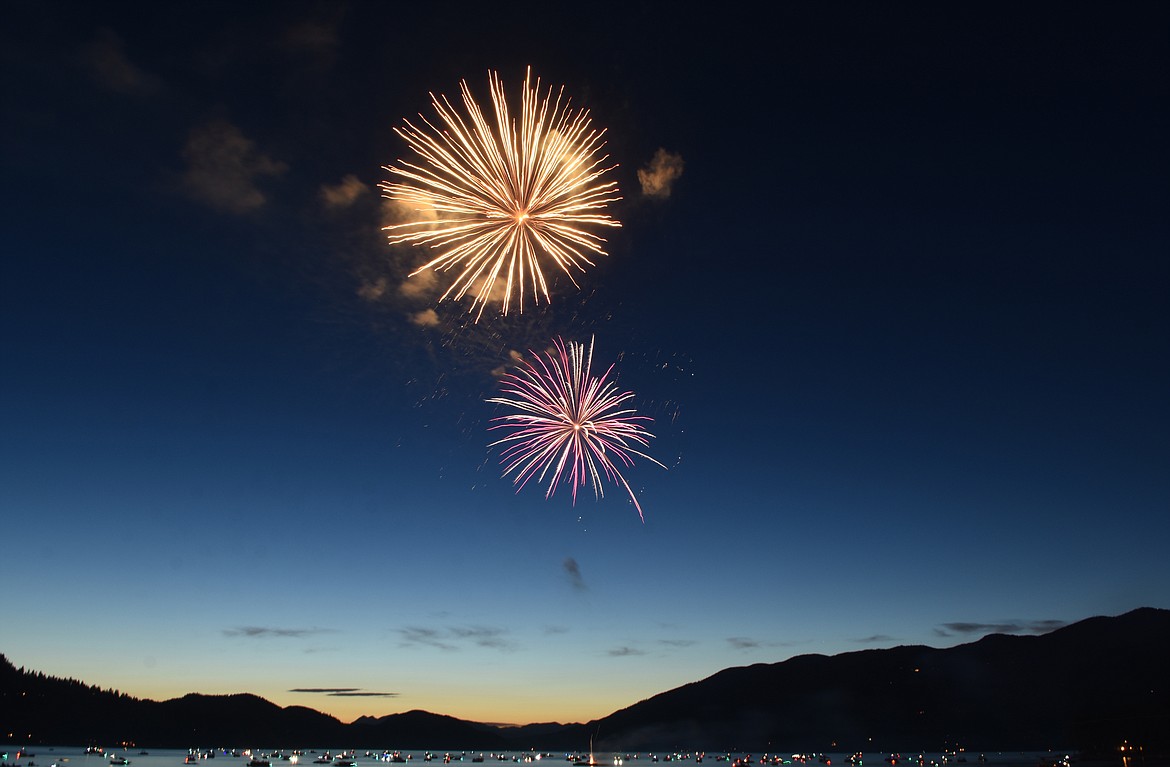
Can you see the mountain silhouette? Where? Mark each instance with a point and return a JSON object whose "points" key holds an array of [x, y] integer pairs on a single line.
{"points": [[1089, 686]]}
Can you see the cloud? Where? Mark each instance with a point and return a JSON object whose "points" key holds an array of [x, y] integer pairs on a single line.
{"points": [[397, 212], [747, 643], [1009, 627], [658, 177], [223, 166], [421, 286], [495, 292], [345, 692], [623, 652], [453, 638], [314, 44], [425, 636], [373, 291], [514, 358], [872, 638], [552, 630], [427, 318], [573, 571], [425, 285], [106, 61], [344, 193], [484, 636], [325, 690], [677, 642], [264, 632], [311, 37]]}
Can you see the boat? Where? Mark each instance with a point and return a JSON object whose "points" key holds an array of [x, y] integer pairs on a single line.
{"points": [[121, 761], [581, 761]]}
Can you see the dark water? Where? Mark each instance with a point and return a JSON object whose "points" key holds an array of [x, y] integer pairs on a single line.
{"points": [[75, 756]]}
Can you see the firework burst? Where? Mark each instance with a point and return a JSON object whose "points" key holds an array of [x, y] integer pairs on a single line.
{"points": [[495, 199], [569, 425]]}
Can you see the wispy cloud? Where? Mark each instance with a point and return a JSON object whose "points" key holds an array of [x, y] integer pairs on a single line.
{"points": [[750, 643], [373, 290], [325, 690], [677, 642], [623, 652], [457, 637], [1007, 627], [421, 287], [658, 177], [344, 193], [345, 692], [425, 286], [425, 636], [265, 632], [313, 44], [484, 636], [427, 318], [223, 167], [874, 638], [105, 59], [317, 38], [573, 572]]}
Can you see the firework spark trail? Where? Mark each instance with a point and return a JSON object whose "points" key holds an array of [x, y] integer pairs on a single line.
{"points": [[506, 199], [568, 420]]}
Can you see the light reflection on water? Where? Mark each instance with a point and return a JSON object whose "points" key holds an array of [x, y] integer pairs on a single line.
{"points": [[74, 756]]}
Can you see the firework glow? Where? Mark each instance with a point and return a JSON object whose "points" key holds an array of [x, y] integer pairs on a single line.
{"points": [[569, 425], [495, 199]]}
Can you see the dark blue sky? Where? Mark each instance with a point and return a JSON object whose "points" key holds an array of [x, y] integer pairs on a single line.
{"points": [[902, 324]]}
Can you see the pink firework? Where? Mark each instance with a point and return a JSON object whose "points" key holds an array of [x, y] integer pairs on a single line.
{"points": [[569, 426]]}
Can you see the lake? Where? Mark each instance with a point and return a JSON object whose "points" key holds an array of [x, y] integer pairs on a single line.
{"points": [[76, 756]]}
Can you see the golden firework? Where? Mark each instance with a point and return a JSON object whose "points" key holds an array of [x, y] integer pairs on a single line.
{"points": [[496, 199]]}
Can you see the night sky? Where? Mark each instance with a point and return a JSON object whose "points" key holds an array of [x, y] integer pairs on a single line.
{"points": [[899, 312]]}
